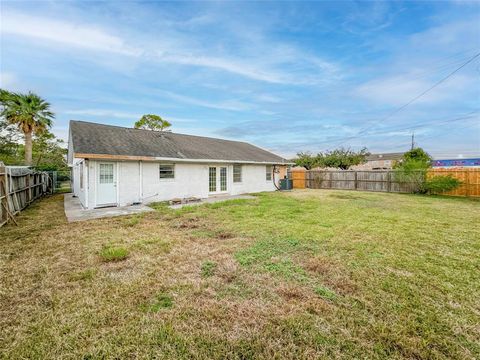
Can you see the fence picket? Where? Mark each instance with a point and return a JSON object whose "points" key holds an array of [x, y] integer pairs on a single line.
{"points": [[18, 189], [382, 180]]}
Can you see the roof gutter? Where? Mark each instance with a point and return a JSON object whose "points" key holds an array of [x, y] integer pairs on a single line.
{"points": [[157, 158]]}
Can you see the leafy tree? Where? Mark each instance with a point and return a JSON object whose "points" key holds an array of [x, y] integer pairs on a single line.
{"points": [[305, 159], [413, 169], [49, 153], [417, 156], [152, 122], [29, 112], [10, 152], [342, 158]]}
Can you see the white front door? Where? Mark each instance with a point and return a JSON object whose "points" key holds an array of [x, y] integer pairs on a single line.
{"points": [[106, 184], [217, 179]]}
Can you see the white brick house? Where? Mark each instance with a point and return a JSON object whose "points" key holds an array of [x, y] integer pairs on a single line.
{"points": [[117, 166]]}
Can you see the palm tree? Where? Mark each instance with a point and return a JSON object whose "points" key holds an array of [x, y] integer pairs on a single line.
{"points": [[29, 112]]}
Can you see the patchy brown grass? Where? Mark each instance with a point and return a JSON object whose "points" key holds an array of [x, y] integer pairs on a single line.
{"points": [[309, 274]]}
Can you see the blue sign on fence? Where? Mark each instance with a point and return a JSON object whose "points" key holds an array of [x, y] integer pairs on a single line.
{"points": [[456, 163]]}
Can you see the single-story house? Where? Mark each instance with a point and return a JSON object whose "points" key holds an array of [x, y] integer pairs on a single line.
{"points": [[118, 166], [385, 161]]}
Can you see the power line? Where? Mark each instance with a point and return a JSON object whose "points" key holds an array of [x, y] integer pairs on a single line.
{"points": [[416, 126], [418, 96]]}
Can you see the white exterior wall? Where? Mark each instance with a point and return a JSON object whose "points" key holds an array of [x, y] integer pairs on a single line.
{"points": [[139, 182], [253, 180], [190, 180], [81, 193]]}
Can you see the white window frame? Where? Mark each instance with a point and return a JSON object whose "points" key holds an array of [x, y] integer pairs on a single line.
{"points": [[268, 172], [166, 178], [238, 166]]}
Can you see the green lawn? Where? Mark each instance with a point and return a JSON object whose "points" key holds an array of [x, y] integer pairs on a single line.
{"points": [[306, 274]]}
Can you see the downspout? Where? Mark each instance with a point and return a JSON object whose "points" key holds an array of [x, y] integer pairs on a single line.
{"points": [[140, 178]]}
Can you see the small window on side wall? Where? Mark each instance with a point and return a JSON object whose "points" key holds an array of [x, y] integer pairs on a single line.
{"points": [[237, 173], [268, 174], [167, 171]]}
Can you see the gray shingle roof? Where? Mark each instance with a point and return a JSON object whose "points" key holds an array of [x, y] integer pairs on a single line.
{"points": [[93, 138], [385, 156]]}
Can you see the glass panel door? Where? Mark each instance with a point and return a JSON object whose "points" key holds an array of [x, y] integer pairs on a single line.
{"points": [[212, 179], [223, 179]]}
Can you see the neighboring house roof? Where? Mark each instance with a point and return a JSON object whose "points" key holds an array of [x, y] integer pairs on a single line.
{"points": [[97, 139], [385, 156]]}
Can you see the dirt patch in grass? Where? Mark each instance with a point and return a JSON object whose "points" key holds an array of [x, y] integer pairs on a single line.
{"points": [[223, 235]]}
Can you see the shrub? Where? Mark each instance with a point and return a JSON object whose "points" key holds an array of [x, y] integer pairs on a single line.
{"points": [[413, 172], [441, 183], [113, 253]]}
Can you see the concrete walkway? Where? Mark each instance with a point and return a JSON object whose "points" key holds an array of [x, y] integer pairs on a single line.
{"points": [[213, 199], [75, 212]]}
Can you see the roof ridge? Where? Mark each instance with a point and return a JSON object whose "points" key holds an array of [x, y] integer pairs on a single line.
{"points": [[163, 132]]}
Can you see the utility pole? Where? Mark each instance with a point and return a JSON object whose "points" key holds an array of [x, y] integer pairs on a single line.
{"points": [[413, 140]]}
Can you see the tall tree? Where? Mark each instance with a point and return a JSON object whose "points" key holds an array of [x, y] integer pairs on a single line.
{"points": [[152, 122], [342, 158], [306, 160], [29, 112]]}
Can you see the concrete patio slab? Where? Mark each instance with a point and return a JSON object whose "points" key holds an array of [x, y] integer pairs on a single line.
{"points": [[213, 199], [75, 212]]}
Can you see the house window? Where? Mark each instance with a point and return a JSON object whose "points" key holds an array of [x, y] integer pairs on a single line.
{"points": [[106, 173], [81, 176], [237, 173], [268, 174], [167, 171]]}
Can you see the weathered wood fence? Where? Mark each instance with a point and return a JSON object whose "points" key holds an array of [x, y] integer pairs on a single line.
{"points": [[19, 187], [382, 180]]}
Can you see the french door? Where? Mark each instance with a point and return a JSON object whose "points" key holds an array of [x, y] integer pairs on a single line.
{"points": [[217, 179]]}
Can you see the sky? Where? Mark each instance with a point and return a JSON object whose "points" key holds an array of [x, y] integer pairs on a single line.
{"points": [[286, 76]]}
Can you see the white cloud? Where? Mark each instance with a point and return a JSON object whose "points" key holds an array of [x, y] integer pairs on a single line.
{"points": [[103, 113], [399, 89], [8, 80], [231, 105], [227, 65], [174, 47], [67, 33]]}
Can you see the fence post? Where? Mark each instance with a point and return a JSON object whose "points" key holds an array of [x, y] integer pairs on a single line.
{"points": [[467, 183], [389, 181], [29, 190], [355, 179]]}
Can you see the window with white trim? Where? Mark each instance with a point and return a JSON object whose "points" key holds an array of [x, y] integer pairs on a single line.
{"points": [[237, 173], [268, 173], [167, 171]]}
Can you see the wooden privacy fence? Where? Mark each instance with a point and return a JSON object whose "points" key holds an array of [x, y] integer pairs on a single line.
{"points": [[19, 187], [470, 178], [382, 180]]}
